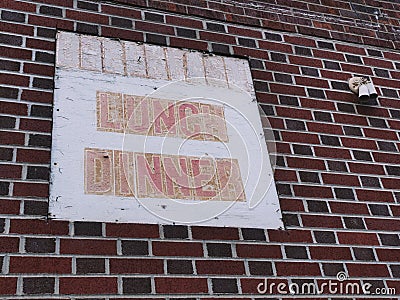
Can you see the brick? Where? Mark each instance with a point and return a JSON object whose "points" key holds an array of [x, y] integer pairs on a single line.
{"points": [[129, 35], [377, 196], [345, 180], [325, 221], [9, 244], [365, 254], [41, 173], [156, 39], [51, 11], [23, 189], [38, 265], [154, 17], [120, 22], [185, 22], [390, 183], [88, 5], [10, 40], [87, 229], [35, 125], [43, 83], [287, 89], [154, 28], [290, 220], [18, 5], [9, 207], [88, 247], [289, 236], [46, 32], [18, 29], [38, 285], [220, 267], [219, 250], [260, 268], [325, 237], [305, 163], [324, 128], [10, 171], [309, 177], [366, 168], [16, 80], [343, 193], [332, 269], [12, 16], [87, 28], [349, 208], [179, 267], [313, 191], [37, 96], [10, 107], [8, 65], [322, 116], [258, 251], [386, 157], [317, 206], [33, 156], [59, 23], [253, 234], [135, 248], [4, 188], [26, 226], [178, 285], [186, 33], [222, 285], [296, 252], [8, 285], [357, 238], [389, 239], [302, 149], [175, 231], [367, 270], [214, 233], [182, 43], [330, 253], [297, 137], [136, 285], [387, 146], [379, 210], [132, 230], [136, 266], [90, 265], [36, 208], [177, 249], [120, 11], [299, 269], [383, 224], [88, 285], [40, 245], [37, 69]]}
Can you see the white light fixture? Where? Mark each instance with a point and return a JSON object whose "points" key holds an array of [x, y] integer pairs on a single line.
{"points": [[363, 87]]}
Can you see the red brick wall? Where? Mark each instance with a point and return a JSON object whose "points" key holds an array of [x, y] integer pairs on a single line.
{"points": [[338, 166]]}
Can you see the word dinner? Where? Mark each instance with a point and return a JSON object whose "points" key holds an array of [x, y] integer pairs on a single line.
{"points": [[147, 175]]}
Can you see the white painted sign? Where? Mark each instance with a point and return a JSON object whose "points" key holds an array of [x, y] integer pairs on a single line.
{"points": [[150, 134]]}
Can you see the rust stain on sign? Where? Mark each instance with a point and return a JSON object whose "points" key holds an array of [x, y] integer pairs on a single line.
{"points": [[113, 172], [132, 114]]}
